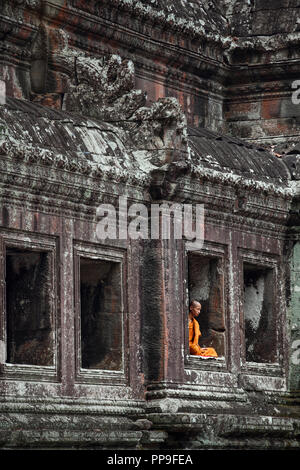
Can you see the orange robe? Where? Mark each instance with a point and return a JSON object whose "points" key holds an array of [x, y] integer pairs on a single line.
{"points": [[194, 333]]}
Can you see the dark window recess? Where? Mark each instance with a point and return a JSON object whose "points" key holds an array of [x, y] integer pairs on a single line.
{"points": [[28, 307], [206, 281], [259, 317], [101, 314]]}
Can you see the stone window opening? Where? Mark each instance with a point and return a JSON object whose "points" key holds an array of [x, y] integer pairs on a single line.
{"points": [[101, 328], [29, 307], [259, 314], [206, 284]]}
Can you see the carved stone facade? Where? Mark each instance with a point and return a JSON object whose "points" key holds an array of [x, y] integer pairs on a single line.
{"points": [[149, 102]]}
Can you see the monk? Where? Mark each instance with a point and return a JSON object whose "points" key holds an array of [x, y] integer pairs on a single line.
{"points": [[194, 333]]}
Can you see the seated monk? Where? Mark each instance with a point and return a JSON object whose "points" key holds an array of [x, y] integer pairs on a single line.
{"points": [[194, 333]]}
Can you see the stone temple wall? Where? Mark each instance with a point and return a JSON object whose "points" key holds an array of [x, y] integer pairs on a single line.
{"points": [[158, 103]]}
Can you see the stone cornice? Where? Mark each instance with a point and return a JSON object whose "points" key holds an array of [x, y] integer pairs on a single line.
{"points": [[171, 21], [265, 44], [16, 33], [77, 163], [63, 167], [244, 183], [155, 17]]}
